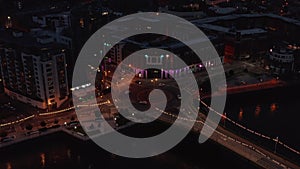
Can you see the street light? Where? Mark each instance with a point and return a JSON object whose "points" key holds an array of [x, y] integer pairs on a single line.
{"points": [[276, 141]]}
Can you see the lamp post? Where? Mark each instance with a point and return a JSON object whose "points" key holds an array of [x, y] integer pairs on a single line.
{"points": [[276, 141], [224, 119]]}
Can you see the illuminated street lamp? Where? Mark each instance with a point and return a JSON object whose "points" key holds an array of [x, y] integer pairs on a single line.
{"points": [[276, 141], [224, 119], [8, 23]]}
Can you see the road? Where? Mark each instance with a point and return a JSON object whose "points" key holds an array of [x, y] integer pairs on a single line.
{"points": [[241, 146]]}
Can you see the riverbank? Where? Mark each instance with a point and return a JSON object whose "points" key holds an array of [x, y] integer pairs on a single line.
{"points": [[254, 88], [75, 134], [60, 150], [232, 144], [36, 135]]}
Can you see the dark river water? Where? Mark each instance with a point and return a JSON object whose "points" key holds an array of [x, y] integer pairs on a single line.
{"points": [[274, 113], [61, 151]]}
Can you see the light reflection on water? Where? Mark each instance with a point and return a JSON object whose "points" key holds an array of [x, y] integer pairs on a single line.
{"points": [[273, 107], [43, 159], [8, 165], [257, 110]]}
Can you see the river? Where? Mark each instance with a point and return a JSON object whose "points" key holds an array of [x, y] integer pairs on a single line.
{"points": [[61, 151]]}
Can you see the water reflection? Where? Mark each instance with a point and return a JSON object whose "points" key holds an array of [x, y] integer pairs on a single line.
{"points": [[69, 153], [257, 110], [273, 113], [43, 159], [87, 155], [273, 107]]}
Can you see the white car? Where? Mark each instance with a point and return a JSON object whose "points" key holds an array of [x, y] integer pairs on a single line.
{"points": [[161, 84], [143, 102]]}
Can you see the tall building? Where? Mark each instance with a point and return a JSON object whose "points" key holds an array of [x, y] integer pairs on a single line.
{"points": [[37, 77], [33, 59]]}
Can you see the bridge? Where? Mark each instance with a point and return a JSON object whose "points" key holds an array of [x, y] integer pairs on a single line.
{"points": [[245, 148], [255, 153], [216, 2]]}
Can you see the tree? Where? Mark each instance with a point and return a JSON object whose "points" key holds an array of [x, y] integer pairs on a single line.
{"points": [[3, 134], [231, 72], [43, 123], [29, 127]]}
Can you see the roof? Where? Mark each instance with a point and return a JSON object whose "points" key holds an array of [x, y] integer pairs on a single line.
{"points": [[229, 31], [252, 31], [237, 16], [220, 10]]}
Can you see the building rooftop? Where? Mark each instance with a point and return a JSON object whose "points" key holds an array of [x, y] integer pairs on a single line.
{"points": [[230, 31], [26, 41], [236, 16], [223, 11], [252, 31]]}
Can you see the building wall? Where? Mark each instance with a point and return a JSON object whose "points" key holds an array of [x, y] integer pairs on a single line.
{"points": [[116, 53], [38, 78]]}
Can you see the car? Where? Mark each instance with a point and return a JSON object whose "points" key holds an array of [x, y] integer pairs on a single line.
{"points": [[73, 123], [161, 84], [243, 82], [33, 132], [8, 138], [138, 82]]}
